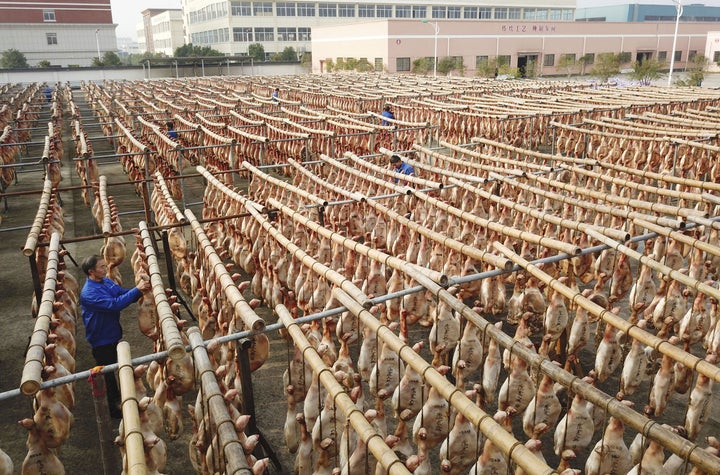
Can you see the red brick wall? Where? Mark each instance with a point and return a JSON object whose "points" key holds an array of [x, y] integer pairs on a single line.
{"points": [[66, 11]]}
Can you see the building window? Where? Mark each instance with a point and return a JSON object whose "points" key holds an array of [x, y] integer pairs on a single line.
{"points": [[481, 61], [453, 12], [285, 8], [485, 13], [241, 9], [402, 64], [305, 9], [328, 9], [549, 60], [501, 13], [678, 55], [514, 13], [48, 15], [692, 55], [567, 14], [304, 34], [262, 8], [470, 13], [243, 34], [529, 13], [716, 56], [542, 14], [383, 11], [264, 34], [555, 14], [419, 11], [439, 12], [402, 11], [51, 38], [346, 10], [287, 34], [378, 64], [662, 55], [589, 58], [366, 11], [503, 60]]}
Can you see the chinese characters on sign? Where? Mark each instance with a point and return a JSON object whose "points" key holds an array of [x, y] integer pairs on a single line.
{"points": [[528, 28]]}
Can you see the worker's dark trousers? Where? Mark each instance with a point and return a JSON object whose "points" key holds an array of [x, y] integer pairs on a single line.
{"points": [[105, 355]]}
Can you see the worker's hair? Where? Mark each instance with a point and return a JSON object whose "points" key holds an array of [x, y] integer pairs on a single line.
{"points": [[89, 263], [395, 159], [386, 108], [169, 124]]}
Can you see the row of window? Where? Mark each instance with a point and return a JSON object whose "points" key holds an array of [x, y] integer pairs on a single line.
{"points": [[352, 10], [210, 37], [248, 35], [210, 12], [161, 27]]}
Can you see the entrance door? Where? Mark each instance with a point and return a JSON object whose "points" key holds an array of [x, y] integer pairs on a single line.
{"points": [[525, 61], [643, 56]]}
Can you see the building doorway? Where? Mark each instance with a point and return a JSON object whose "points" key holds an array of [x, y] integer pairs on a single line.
{"points": [[643, 56], [527, 64]]}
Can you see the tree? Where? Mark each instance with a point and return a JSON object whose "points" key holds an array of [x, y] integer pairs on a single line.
{"points": [[13, 59], [607, 64], [696, 71], [487, 68], [329, 65], [257, 51], [364, 66], [288, 54], [43, 64], [449, 63], [567, 62], [422, 66], [646, 71], [306, 60], [190, 51], [108, 59], [586, 60]]}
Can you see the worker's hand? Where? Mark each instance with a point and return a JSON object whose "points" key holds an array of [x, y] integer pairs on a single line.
{"points": [[144, 283]]}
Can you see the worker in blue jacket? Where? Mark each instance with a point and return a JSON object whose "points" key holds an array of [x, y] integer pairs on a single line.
{"points": [[387, 114], [101, 301], [399, 166]]}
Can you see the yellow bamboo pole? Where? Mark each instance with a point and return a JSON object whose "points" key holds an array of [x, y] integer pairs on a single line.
{"points": [[232, 449], [651, 429], [36, 228], [179, 217], [250, 319], [171, 334], [35, 354], [134, 440], [354, 415], [308, 196], [679, 237], [105, 206], [483, 421]]}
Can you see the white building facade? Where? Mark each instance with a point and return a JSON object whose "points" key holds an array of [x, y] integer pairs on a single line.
{"points": [[167, 31], [232, 26]]}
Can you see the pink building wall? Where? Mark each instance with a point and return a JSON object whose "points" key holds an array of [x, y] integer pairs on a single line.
{"points": [[413, 39]]}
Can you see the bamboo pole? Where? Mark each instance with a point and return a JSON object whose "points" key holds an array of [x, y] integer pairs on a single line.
{"points": [[166, 318], [392, 174], [650, 429], [35, 354], [304, 194], [232, 449], [134, 440], [179, 217], [350, 244], [354, 415], [32, 240], [680, 237], [548, 217], [241, 308], [456, 397], [666, 133], [105, 206]]}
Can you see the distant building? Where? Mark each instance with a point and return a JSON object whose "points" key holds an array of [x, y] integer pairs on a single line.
{"points": [[393, 45], [231, 27], [63, 32], [161, 31], [648, 12]]}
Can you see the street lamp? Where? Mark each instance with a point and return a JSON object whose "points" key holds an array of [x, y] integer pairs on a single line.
{"points": [[97, 43], [437, 30], [679, 9]]}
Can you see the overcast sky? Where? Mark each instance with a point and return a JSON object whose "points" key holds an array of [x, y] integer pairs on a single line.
{"points": [[126, 13]]}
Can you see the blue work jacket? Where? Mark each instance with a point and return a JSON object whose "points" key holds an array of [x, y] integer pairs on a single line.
{"points": [[101, 303]]}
